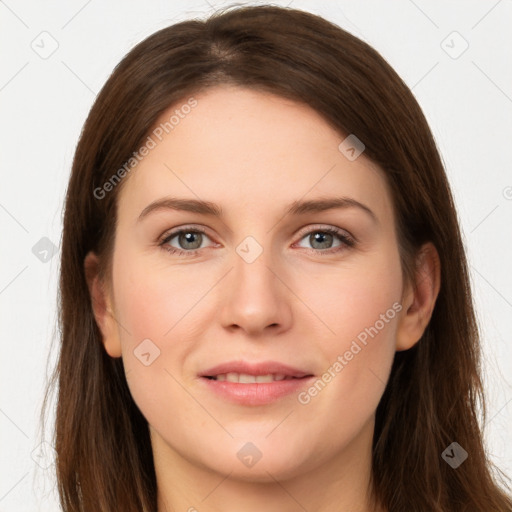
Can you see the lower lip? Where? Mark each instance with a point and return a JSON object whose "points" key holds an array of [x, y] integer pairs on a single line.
{"points": [[259, 393]]}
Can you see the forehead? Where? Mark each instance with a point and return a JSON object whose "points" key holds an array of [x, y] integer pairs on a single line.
{"points": [[243, 147]]}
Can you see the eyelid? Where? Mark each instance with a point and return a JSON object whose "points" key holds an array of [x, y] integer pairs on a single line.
{"points": [[178, 229], [327, 228]]}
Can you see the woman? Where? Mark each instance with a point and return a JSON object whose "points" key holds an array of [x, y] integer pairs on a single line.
{"points": [[315, 347]]}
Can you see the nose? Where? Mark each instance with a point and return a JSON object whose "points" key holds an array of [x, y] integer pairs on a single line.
{"points": [[255, 297]]}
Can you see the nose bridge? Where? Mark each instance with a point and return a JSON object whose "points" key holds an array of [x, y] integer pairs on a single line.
{"points": [[256, 298], [253, 280]]}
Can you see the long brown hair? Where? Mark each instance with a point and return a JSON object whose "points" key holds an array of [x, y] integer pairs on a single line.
{"points": [[434, 394]]}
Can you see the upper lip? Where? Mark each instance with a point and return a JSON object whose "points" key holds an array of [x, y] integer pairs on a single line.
{"points": [[254, 368]]}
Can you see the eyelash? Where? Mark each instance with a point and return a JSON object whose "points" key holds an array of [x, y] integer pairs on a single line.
{"points": [[347, 241]]}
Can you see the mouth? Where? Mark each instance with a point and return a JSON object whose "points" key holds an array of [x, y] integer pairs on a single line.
{"points": [[245, 378], [251, 384], [246, 372]]}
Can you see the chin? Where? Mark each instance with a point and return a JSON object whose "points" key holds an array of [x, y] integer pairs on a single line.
{"points": [[262, 462]]}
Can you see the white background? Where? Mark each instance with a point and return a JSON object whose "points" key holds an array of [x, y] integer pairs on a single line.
{"points": [[44, 103]]}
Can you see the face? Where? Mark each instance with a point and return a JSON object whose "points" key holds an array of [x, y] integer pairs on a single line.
{"points": [[273, 282]]}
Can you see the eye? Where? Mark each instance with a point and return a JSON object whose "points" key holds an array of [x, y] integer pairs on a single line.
{"points": [[322, 239], [189, 241]]}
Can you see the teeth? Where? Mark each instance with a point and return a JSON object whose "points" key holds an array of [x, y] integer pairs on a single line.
{"points": [[262, 378], [244, 378]]}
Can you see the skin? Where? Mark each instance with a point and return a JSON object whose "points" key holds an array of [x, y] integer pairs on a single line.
{"points": [[254, 153]]}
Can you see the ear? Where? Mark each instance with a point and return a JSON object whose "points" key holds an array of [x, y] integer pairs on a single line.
{"points": [[101, 302], [419, 298]]}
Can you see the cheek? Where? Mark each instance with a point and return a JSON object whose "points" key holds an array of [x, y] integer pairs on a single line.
{"points": [[148, 309], [161, 310], [360, 308], [151, 300], [350, 299]]}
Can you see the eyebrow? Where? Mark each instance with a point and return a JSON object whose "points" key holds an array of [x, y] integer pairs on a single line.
{"points": [[295, 208]]}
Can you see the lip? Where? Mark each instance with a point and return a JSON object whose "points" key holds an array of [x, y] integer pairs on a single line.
{"points": [[261, 368], [259, 393]]}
